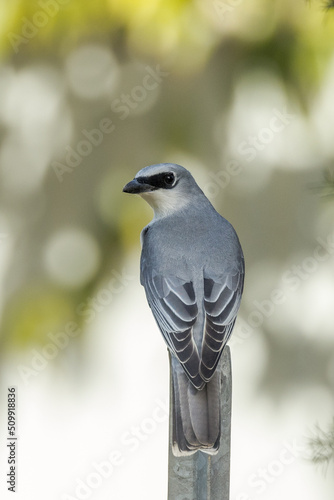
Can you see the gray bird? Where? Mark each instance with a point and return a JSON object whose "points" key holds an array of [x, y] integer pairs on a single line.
{"points": [[192, 269]]}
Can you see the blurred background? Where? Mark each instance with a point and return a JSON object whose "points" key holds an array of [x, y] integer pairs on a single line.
{"points": [[241, 94]]}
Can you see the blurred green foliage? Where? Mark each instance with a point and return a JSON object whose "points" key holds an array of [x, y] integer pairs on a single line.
{"points": [[183, 31], [322, 445]]}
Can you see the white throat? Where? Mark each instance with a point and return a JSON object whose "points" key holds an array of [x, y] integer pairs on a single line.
{"points": [[165, 202]]}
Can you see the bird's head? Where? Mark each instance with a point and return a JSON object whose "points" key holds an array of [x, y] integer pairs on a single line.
{"points": [[167, 187]]}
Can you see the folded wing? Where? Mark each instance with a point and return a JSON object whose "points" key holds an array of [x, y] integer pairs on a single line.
{"points": [[174, 306], [222, 297]]}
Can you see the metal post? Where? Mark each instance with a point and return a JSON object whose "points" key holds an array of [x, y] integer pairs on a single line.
{"points": [[201, 476]]}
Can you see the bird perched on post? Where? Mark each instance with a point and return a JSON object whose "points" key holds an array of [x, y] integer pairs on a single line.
{"points": [[192, 269]]}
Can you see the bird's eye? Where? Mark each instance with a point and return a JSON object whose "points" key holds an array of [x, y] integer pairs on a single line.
{"points": [[169, 179]]}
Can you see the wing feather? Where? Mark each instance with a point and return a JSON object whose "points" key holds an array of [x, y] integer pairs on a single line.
{"points": [[173, 303], [222, 296]]}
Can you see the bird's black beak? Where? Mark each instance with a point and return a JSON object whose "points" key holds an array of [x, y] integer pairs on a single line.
{"points": [[136, 187]]}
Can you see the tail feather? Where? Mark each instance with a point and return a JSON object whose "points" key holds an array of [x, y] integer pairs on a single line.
{"points": [[196, 413]]}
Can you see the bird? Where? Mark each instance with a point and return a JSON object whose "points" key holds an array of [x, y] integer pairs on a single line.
{"points": [[192, 269]]}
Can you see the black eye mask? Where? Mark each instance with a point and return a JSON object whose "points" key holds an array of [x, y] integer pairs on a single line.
{"points": [[165, 180]]}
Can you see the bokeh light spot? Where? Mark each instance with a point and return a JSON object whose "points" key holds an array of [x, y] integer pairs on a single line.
{"points": [[72, 257], [92, 71]]}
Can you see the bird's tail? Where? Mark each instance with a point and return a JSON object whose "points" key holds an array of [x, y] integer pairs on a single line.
{"points": [[196, 413]]}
